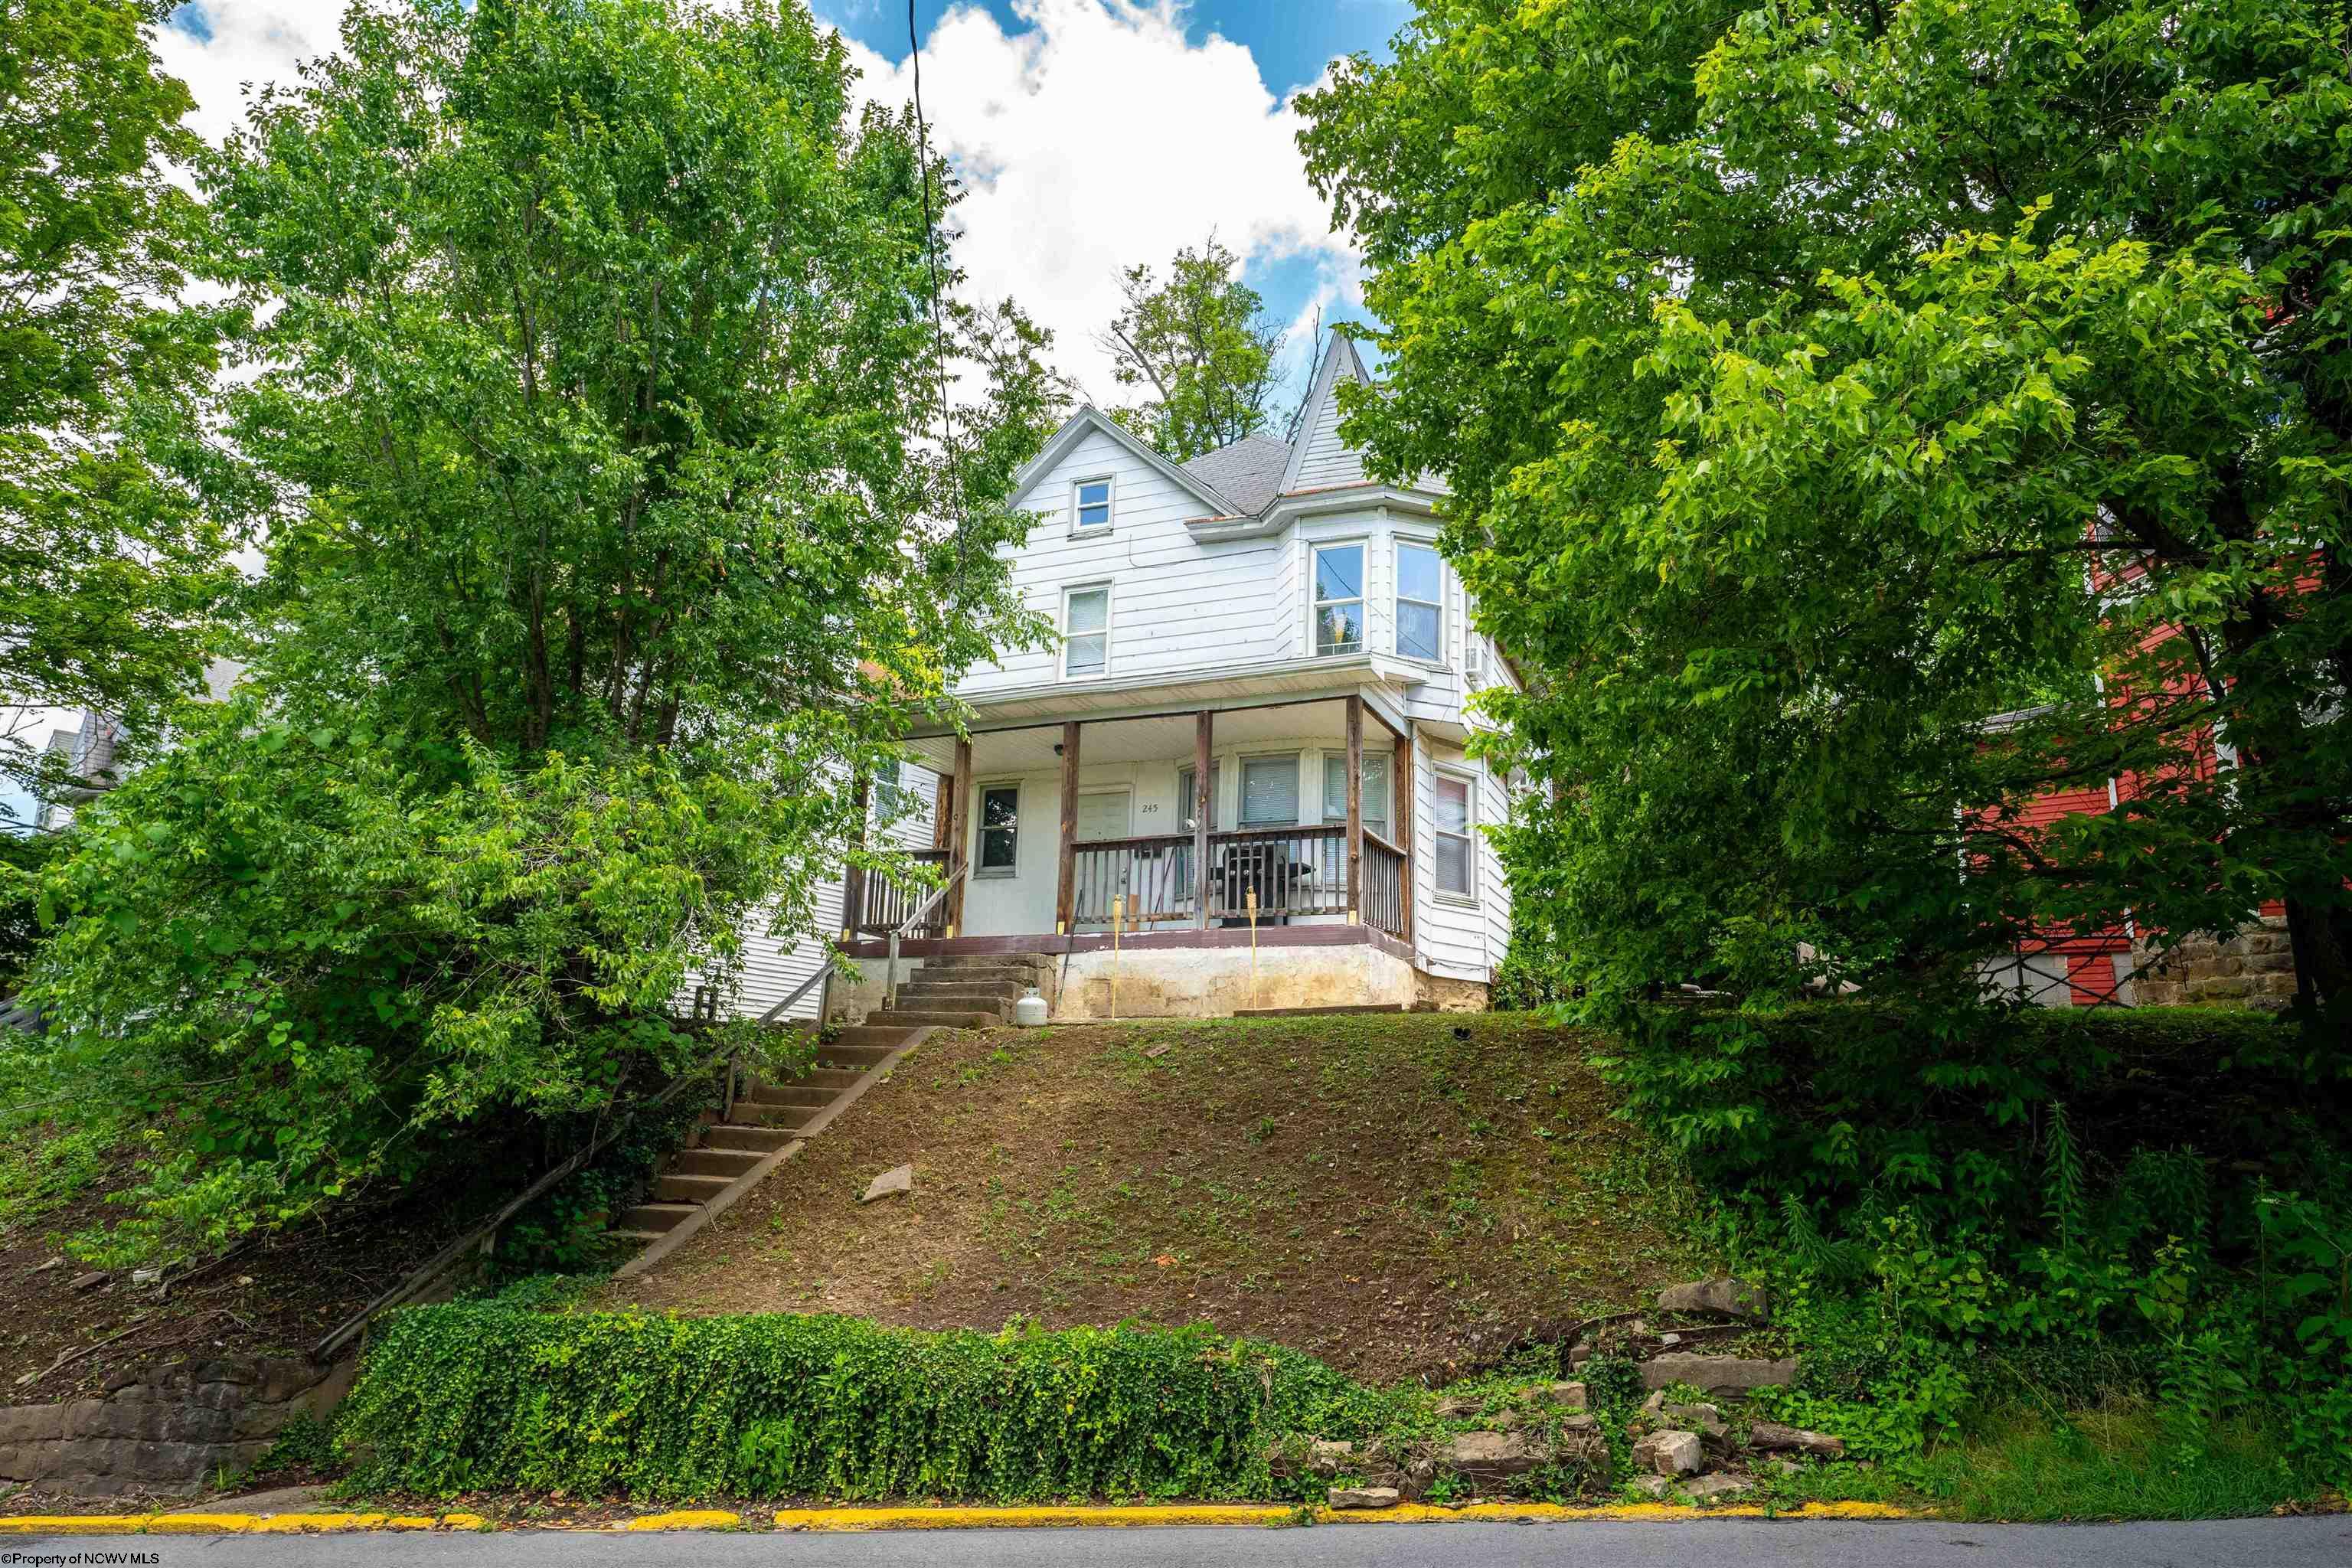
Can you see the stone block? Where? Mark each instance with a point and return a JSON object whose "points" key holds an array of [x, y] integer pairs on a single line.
{"points": [[1567, 1396], [1718, 1373], [1362, 1497], [1771, 1434], [1717, 1488], [1494, 1455], [1730, 1297], [284, 1377], [1668, 1454], [1703, 1419], [895, 1182]]}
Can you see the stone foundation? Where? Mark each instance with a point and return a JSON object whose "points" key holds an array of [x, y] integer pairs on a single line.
{"points": [[2254, 968], [1444, 994], [1217, 982], [161, 1431]]}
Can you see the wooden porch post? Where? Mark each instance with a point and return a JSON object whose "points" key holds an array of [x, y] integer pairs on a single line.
{"points": [[1065, 893], [1355, 807], [853, 888], [1401, 818], [1204, 724], [959, 844]]}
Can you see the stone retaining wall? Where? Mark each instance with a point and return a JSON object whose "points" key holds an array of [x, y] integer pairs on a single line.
{"points": [[2254, 968], [163, 1430]]}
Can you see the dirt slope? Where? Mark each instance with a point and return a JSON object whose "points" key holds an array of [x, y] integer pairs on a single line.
{"points": [[1367, 1189]]}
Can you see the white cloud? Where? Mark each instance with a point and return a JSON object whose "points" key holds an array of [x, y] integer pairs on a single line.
{"points": [[1092, 138], [252, 41], [1099, 137]]}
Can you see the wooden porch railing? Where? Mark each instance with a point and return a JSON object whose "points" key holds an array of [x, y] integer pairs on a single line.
{"points": [[1295, 871], [890, 907], [1153, 874], [1383, 889]]}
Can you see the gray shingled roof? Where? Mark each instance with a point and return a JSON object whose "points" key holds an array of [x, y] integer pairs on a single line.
{"points": [[1248, 473]]}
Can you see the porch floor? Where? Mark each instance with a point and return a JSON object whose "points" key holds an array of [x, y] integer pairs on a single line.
{"points": [[1282, 936]]}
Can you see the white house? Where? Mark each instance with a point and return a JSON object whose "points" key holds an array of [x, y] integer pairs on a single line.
{"points": [[1233, 631]]}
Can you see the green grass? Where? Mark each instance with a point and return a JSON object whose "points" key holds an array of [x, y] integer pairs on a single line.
{"points": [[2132, 1461]]}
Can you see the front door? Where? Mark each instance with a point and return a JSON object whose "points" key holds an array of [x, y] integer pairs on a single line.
{"points": [[1102, 814]]}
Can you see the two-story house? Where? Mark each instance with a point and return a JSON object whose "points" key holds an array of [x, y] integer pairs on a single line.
{"points": [[1238, 779]]}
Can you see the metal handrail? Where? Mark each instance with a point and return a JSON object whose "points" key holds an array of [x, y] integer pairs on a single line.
{"points": [[480, 1235], [890, 969], [438, 1264]]}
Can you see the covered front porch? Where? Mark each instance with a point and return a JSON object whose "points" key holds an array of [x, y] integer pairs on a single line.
{"points": [[1285, 820]]}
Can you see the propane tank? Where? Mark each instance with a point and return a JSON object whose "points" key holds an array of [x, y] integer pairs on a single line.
{"points": [[1030, 1011]]}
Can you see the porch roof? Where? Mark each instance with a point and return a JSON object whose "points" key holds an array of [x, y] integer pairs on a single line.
{"points": [[1243, 684], [1157, 736]]}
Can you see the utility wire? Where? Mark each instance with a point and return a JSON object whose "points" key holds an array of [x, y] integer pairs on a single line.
{"points": [[930, 236]]}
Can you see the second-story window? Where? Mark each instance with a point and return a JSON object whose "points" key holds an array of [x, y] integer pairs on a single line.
{"points": [[1085, 632], [1420, 604], [1090, 503], [1339, 598]]}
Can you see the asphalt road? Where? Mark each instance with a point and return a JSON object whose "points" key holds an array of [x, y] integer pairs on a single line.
{"points": [[1748, 1544]]}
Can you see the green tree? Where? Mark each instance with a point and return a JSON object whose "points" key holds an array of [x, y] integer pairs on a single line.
{"points": [[108, 564], [1817, 383], [1203, 347], [613, 526]]}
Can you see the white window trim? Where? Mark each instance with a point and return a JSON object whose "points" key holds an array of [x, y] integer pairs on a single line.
{"points": [[1062, 657], [1296, 759], [1396, 601], [1217, 771], [1363, 602], [1470, 781], [1372, 753], [1110, 521], [980, 788]]}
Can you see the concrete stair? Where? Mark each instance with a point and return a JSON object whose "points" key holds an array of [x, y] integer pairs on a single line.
{"points": [[971, 991], [764, 1118]]}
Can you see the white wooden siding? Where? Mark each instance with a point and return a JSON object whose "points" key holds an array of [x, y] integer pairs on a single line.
{"points": [[1463, 941], [1177, 603], [771, 967], [1328, 459]]}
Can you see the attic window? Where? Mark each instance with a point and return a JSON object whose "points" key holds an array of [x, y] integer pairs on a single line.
{"points": [[1091, 503]]}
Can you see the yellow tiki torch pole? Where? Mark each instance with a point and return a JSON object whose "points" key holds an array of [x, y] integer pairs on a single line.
{"points": [[1249, 901]]}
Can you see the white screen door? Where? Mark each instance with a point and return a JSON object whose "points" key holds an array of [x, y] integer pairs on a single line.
{"points": [[1102, 815]]}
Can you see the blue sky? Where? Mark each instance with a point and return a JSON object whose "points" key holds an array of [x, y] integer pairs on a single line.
{"points": [[1091, 134], [1292, 39]]}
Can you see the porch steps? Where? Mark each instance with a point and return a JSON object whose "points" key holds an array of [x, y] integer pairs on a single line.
{"points": [[905, 1019], [766, 1116], [969, 989], [941, 994]]}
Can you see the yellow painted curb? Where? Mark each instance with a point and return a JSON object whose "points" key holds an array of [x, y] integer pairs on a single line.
{"points": [[1143, 1516], [1047, 1517], [687, 1519], [225, 1523], [1034, 1518]]}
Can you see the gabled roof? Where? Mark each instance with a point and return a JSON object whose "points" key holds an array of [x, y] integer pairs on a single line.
{"points": [[1321, 417], [1090, 420], [1241, 484], [1249, 471]]}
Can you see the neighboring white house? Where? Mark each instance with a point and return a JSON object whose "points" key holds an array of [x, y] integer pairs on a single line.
{"points": [[1267, 608]]}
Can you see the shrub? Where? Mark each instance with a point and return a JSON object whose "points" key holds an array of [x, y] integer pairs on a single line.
{"points": [[480, 1394], [2012, 1120], [2053, 1204]]}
